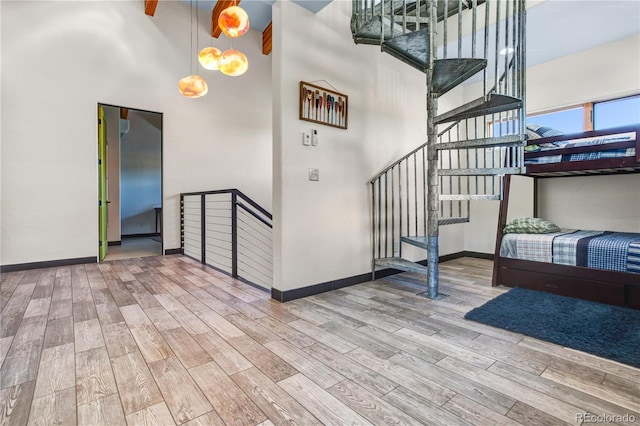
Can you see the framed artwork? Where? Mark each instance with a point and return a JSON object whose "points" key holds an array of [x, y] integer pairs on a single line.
{"points": [[323, 106]]}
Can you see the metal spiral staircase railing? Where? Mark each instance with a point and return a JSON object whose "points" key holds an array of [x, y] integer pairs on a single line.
{"points": [[469, 148]]}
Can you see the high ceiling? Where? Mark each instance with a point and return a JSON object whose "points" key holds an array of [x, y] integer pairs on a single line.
{"points": [[555, 28]]}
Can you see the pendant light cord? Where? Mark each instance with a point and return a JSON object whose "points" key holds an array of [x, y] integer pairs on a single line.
{"points": [[195, 56], [191, 36]]}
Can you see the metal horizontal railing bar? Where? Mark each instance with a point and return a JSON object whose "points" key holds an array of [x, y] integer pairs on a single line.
{"points": [[255, 215], [225, 247], [258, 244], [248, 250], [253, 272], [255, 205], [229, 191], [252, 228]]}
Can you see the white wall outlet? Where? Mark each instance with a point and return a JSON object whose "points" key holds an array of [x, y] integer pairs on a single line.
{"points": [[314, 137], [314, 174], [306, 138]]}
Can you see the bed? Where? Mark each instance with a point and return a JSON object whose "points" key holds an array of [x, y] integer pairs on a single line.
{"points": [[602, 266]]}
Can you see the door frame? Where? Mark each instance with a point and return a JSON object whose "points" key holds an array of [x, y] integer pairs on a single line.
{"points": [[162, 221]]}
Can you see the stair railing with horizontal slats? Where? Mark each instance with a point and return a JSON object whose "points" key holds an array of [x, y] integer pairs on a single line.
{"points": [[230, 232]]}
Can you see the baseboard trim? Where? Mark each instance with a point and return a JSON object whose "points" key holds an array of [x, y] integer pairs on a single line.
{"points": [[173, 251], [476, 255], [148, 235], [298, 293], [115, 243], [47, 264]]}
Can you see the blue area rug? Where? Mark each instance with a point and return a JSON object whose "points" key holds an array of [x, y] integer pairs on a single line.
{"points": [[608, 331]]}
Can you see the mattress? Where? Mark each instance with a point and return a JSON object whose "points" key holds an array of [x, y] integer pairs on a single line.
{"points": [[582, 142], [615, 251]]}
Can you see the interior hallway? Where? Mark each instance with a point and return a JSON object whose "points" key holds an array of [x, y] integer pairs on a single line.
{"points": [[135, 247]]}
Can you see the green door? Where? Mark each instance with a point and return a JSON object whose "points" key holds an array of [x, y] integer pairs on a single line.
{"points": [[102, 184]]}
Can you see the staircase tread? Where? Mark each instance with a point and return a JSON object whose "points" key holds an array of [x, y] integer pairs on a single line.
{"points": [[449, 73], [482, 142], [481, 171], [411, 48], [493, 103], [369, 33]]}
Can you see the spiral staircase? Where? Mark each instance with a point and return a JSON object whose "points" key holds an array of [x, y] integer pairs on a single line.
{"points": [[469, 148]]}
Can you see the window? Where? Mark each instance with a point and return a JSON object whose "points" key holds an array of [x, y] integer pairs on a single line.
{"points": [[616, 113], [577, 119], [566, 120]]}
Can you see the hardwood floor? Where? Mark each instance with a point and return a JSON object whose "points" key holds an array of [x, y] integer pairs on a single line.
{"points": [[164, 340]]}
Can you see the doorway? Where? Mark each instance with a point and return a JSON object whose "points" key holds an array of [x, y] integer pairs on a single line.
{"points": [[130, 182]]}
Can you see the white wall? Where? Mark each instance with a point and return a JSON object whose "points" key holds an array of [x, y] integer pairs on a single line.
{"points": [[112, 116], [59, 60], [602, 202], [322, 229]]}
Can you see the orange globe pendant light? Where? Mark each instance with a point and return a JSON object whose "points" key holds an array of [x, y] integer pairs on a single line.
{"points": [[193, 86], [233, 21], [208, 58], [233, 62]]}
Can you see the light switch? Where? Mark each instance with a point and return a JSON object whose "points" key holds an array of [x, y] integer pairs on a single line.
{"points": [[306, 138], [314, 174]]}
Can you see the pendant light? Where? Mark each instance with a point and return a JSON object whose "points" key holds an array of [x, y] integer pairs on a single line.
{"points": [[233, 63], [208, 58], [193, 86], [234, 21]]}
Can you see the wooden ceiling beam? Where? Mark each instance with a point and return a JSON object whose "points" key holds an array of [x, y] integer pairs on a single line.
{"points": [[266, 39], [150, 7], [215, 14]]}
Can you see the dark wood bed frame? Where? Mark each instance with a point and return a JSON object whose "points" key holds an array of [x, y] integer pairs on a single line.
{"points": [[615, 288]]}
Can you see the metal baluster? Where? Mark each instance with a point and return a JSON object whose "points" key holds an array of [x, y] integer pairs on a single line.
{"points": [[381, 22], [417, 15], [424, 189], [393, 221], [406, 165], [474, 5], [400, 204], [446, 16], [392, 15], [523, 78], [373, 230], [386, 215], [450, 181], [441, 162], [415, 188], [459, 28], [497, 46], [404, 16], [486, 46], [476, 164], [506, 47], [379, 218]]}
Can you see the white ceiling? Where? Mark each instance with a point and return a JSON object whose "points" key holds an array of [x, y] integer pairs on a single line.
{"points": [[555, 28]]}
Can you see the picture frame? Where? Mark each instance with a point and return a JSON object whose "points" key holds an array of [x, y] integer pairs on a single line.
{"points": [[323, 106]]}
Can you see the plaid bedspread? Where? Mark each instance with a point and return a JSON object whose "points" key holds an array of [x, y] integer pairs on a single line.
{"points": [[611, 153], [565, 247], [615, 251]]}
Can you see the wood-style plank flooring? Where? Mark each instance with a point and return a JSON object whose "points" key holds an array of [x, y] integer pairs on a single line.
{"points": [[164, 340]]}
